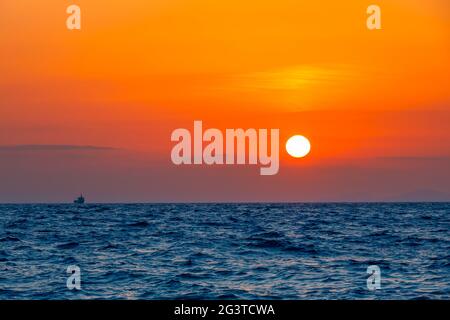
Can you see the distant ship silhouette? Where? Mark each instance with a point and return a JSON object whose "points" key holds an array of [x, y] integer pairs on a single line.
{"points": [[79, 200]]}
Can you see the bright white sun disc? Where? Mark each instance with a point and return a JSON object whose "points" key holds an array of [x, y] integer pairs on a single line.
{"points": [[298, 146]]}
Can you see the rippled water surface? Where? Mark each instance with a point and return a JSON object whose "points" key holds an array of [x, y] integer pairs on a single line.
{"points": [[225, 251]]}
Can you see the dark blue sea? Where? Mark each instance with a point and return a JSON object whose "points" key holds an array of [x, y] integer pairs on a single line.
{"points": [[225, 251]]}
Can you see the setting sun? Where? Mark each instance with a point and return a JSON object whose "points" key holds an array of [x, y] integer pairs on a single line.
{"points": [[298, 146]]}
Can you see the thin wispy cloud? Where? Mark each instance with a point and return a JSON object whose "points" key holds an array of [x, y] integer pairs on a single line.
{"points": [[416, 158], [54, 147]]}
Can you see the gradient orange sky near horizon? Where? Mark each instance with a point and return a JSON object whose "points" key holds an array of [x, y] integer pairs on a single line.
{"points": [[139, 69]]}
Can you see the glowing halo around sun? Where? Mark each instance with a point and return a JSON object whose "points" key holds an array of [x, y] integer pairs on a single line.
{"points": [[298, 146]]}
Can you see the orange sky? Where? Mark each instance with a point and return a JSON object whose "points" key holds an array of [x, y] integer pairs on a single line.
{"points": [[139, 69]]}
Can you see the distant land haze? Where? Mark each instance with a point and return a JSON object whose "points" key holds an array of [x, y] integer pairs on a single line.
{"points": [[51, 147], [421, 195]]}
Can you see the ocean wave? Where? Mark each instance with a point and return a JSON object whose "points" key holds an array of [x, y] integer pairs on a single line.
{"points": [[225, 251]]}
